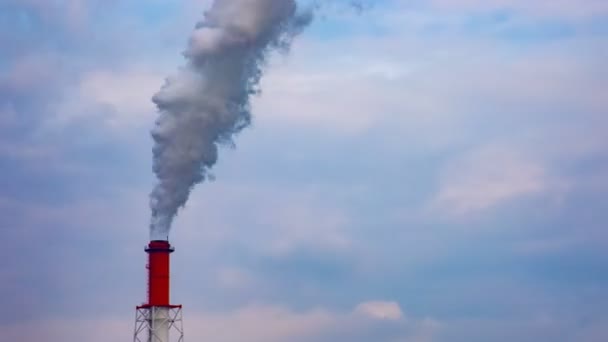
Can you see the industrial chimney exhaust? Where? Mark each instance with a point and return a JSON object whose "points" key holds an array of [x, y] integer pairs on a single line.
{"points": [[156, 319]]}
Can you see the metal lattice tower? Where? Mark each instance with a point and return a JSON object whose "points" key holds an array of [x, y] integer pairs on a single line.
{"points": [[158, 324]]}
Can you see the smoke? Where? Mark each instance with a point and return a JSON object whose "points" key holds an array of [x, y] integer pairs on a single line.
{"points": [[206, 102]]}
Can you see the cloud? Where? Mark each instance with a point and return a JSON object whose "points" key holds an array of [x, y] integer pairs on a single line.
{"points": [[542, 8], [294, 239], [380, 310], [28, 85], [383, 115], [230, 277], [260, 323], [274, 323], [540, 327], [91, 330], [268, 323], [120, 97], [286, 221], [488, 177]]}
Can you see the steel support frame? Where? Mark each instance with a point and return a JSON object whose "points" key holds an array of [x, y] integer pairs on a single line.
{"points": [[144, 324]]}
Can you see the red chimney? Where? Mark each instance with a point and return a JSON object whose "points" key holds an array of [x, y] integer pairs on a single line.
{"points": [[158, 273], [156, 318]]}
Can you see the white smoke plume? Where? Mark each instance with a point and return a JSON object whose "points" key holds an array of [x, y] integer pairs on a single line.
{"points": [[207, 102]]}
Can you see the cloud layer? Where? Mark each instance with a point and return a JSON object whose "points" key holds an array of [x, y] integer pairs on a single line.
{"points": [[427, 171]]}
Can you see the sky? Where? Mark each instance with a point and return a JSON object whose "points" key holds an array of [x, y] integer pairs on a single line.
{"points": [[420, 171]]}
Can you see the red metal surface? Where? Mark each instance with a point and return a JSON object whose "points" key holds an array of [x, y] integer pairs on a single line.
{"points": [[158, 273]]}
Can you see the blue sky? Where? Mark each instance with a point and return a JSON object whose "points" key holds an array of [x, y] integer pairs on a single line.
{"points": [[428, 170]]}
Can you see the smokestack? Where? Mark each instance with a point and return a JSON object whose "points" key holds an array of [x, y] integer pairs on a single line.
{"points": [[158, 272], [203, 106], [158, 317]]}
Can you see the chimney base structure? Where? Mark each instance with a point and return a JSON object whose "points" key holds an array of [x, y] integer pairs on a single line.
{"points": [[158, 320]]}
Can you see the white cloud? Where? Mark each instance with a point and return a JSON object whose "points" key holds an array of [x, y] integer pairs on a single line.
{"points": [[487, 177], [56, 330], [70, 15], [380, 310], [283, 219], [253, 323], [270, 323], [119, 98], [346, 93], [258, 323], [428, 88], [234, 278], [543, 8], [129, 92], [275, 323]]}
